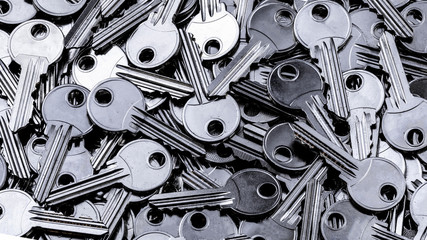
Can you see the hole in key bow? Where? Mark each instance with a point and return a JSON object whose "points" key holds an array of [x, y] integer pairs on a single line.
{"points": [[103, 97], [39, 31], [223, 151], [154, 216], [415, 17], [284, 18], [259, 238], [267, 190], [336, 221], [65, 179], [354, 82], [415, 137], [378, 30], [212, 47], [283, 154], [288, 73], [4, 7], [198, 220], [76, 98], [87, 63], [39, 145], [320, 12], [215, 128], [146, 55], [67, 210], [388, 192], [157, 160], [251, 109]]}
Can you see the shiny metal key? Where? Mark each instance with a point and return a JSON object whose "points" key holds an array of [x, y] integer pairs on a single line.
{"points": [[375, 183], [150, 52], [17, 11], [263, 43], [207, 27], [23, 214], [333, 28], [250, 192], [204, 119], [404, 125], [65, 112], [366, 96], [140, 166], [129, 114], [34, 45]]}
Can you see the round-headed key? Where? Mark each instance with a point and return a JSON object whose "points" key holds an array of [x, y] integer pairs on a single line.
{"points": [[293, 84], [150, 52], [117, 105], [250, 192], [207, 224], [59, 8], [34, 45], [284, 151], [20, 213], [375, 183], [208, 29], [140, 166], [65, 113], [264, 42], [16, 11], [366, 96], [324, 26]]}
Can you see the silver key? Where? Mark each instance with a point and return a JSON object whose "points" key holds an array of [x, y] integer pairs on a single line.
{"points": [[34, 45], [59, 8], [333, 28], [16, 11], [403, 123], [208, 30], [366, 96], [150, 52]]}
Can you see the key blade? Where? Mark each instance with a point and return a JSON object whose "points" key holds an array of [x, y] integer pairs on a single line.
{"points": [[8, 83], [335, 156], [55, 222], [312, 210], [198, 180], [108, 7], [191, 199], [115, 208], [105, 151], [391, 63]]}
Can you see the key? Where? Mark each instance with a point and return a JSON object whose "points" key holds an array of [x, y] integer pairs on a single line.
{"points": [[342, 219], [12, 146], [284, 151], [243, 12], [129, 115], [250, 192], [298, 4], [366, 96], [218, 40], [412, 14], [362, 177], [134, 167], [64, 110], [109, 7], [263, 43], [23, 214], [59, 8], [146, 52], [402, 107], [292, 84], [152, 82], [90, 68], [392, 18], [204, 119], [207, 224], [283, 222], [17, 12], [35, 45], [152, 219], [333, 28], [119, 26]]}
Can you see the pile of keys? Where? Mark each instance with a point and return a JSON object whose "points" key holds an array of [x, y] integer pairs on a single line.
{"points": [[213, 119]]}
